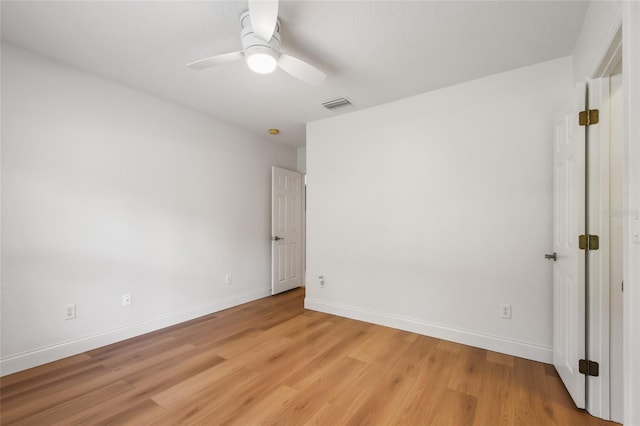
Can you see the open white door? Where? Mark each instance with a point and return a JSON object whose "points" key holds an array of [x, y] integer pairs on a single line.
{"points": [[581, 276], [569, 268], [286, 232]]}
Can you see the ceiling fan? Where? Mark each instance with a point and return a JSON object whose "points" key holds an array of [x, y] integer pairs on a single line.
{"points": [[261, 46]]}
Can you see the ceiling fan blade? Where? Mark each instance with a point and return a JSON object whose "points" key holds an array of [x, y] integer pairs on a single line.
{"points": [[264, 17], [212, 61], [301, 70]]}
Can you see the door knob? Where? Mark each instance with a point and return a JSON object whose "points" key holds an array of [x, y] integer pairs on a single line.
{"points": [[553, 256], [276, 238]]}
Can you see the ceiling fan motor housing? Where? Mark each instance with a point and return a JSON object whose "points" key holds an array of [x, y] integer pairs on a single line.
{"points": [[253, 46]]}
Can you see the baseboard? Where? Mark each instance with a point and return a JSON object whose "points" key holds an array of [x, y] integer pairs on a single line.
{"points": [[22, 361], [466, 337]]}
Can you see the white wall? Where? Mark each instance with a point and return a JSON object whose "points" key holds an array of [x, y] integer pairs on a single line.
{"points": [[302, 168], [302, 160], [105, 191], [428, 213]]}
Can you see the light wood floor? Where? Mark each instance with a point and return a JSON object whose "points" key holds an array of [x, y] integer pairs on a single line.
{"points": [[272, 362]]}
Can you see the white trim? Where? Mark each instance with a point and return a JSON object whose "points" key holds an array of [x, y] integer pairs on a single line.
{"points": [[610, 53], [599, 285], [303, 229], [616, 173], [607, 57], [289, 232], [466, 337], [631, 321], [33, 358]]}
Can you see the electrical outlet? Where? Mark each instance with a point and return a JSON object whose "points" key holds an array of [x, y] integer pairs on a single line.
{"points": [[126, 299], [229, 279], [321, 279], [505, 311], [70, 311]]}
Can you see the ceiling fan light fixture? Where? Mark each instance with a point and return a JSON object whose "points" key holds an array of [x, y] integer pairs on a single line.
{"points": [[261, 59], [261, 49]]}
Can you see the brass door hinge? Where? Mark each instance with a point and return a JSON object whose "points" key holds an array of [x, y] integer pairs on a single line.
{"points": [[593, 117], [588, 242], [590, 368]]}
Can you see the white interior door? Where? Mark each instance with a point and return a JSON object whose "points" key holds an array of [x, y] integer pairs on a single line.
{"points": [[286, 232], [569, 268]]}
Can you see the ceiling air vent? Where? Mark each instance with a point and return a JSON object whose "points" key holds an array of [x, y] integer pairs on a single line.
{"points": [[337, 102]]}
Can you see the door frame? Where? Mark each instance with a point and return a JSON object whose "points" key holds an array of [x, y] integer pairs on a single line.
{"points": [[280, 238], [626, 43], [631, 202], [598, 269], [616, 365], [303, 230], [598, 330]]}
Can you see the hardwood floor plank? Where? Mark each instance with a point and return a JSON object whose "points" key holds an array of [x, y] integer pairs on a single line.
{"points": [[386, 382], [456, 409], [325, 354], [131, 365], [44, 397], [322, 417], [563, 406], [379, 387], [259, 341], [311, 399], [139, 414], [370, 348], [467, 374], [262, 408], [209, 404], [452, 347], [285, 362], [98, 407], [427, 389], [44, 372], [162, 377], [65, 411], [532, 405], [418, 354], [225, 326], [43, 375], [185, 390], [390, 389], [504, 359], [311, 322], [495, 400], [271, 362], [128, 348]]}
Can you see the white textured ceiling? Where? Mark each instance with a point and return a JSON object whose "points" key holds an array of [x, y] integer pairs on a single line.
{"points": [[373, 51]]}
